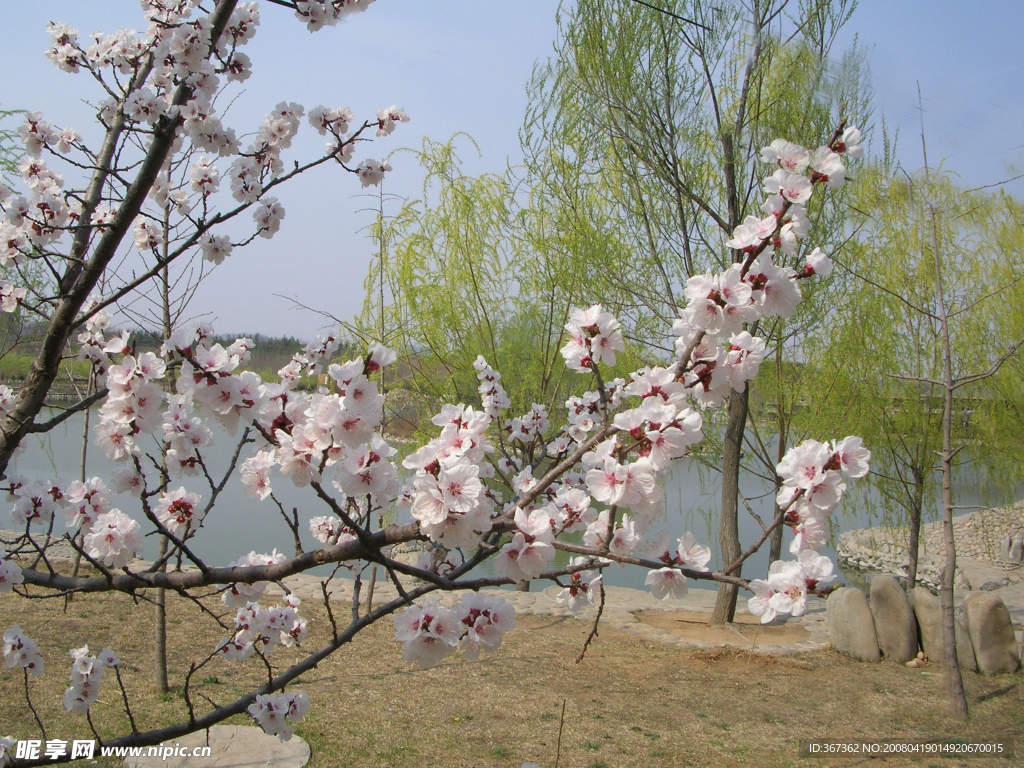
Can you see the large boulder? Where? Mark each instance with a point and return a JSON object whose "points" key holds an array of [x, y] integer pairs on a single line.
{"points": [[991, 631], [928, 611], [895, 626], [850, 625]]}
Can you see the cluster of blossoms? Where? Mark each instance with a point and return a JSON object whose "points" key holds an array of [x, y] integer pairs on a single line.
{"points": [[114, 539], [583, 587], [38, 221], [260, 629], [271, 712], [430, 632], [333, 429], [530, 426], [788, 583], [86, 673], [669, 581], [583, 411], [84, 502], [109, 536], [329, 529], [238, 596], [208, 379], [21, 651], [812, 484], [387, 119], [179, 512], [320, 13], [493, 397], [448, 497], [11, 296], [720, 355], [133, 405], [594, 337], [10, 575], [184, 434], [35, 501], [92, 342]]}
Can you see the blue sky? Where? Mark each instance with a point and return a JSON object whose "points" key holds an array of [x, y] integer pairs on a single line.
{"points": [[462, 65]]}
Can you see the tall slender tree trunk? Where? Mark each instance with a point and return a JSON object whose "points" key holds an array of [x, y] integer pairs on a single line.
{"points": [[775, 539], [914, 537], [953, 677], [160, 630], [728, 523], [160, 612]]}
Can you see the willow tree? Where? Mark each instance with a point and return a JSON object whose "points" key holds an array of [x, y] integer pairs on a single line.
{"points": [[643, 135], [461, 272], [882, 359]]}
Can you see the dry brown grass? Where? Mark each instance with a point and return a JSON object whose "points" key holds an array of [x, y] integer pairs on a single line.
{"points": [[629, 703], [696, 626]]}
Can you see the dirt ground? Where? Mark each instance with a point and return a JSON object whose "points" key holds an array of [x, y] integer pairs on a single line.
{"points": [[695, 626], [630, 702]]}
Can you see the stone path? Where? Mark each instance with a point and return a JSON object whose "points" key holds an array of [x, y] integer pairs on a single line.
{"points": [[621, 606]]}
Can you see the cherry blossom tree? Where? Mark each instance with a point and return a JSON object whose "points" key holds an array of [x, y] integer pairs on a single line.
{"points": [[489, 484]]}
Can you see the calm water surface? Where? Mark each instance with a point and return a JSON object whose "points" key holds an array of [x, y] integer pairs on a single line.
{"points": [[239, 524]]}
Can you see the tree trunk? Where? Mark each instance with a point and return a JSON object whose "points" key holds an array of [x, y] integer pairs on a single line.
{"points": [[775, 538], [160, 630], [728, 524], [953, 678], [160, 615], [914, 538]]}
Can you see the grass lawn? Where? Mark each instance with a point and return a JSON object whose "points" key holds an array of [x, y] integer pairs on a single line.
{"points": [[630, 702]]}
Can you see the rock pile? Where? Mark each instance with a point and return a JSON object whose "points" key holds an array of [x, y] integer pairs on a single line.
{"points": [[992, 536], [891, 625]]}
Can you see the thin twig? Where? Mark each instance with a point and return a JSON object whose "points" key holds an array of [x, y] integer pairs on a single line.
{"points": [[124, 695], [593, 630], [327, 605], [667, 13], [558, 744], [30, 705], [88, 716]]}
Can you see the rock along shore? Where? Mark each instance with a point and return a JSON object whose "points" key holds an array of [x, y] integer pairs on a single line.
{"points": [[985, 548]]}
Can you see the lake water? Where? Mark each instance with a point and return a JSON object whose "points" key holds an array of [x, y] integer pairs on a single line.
{"points": [[239, 524]]}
